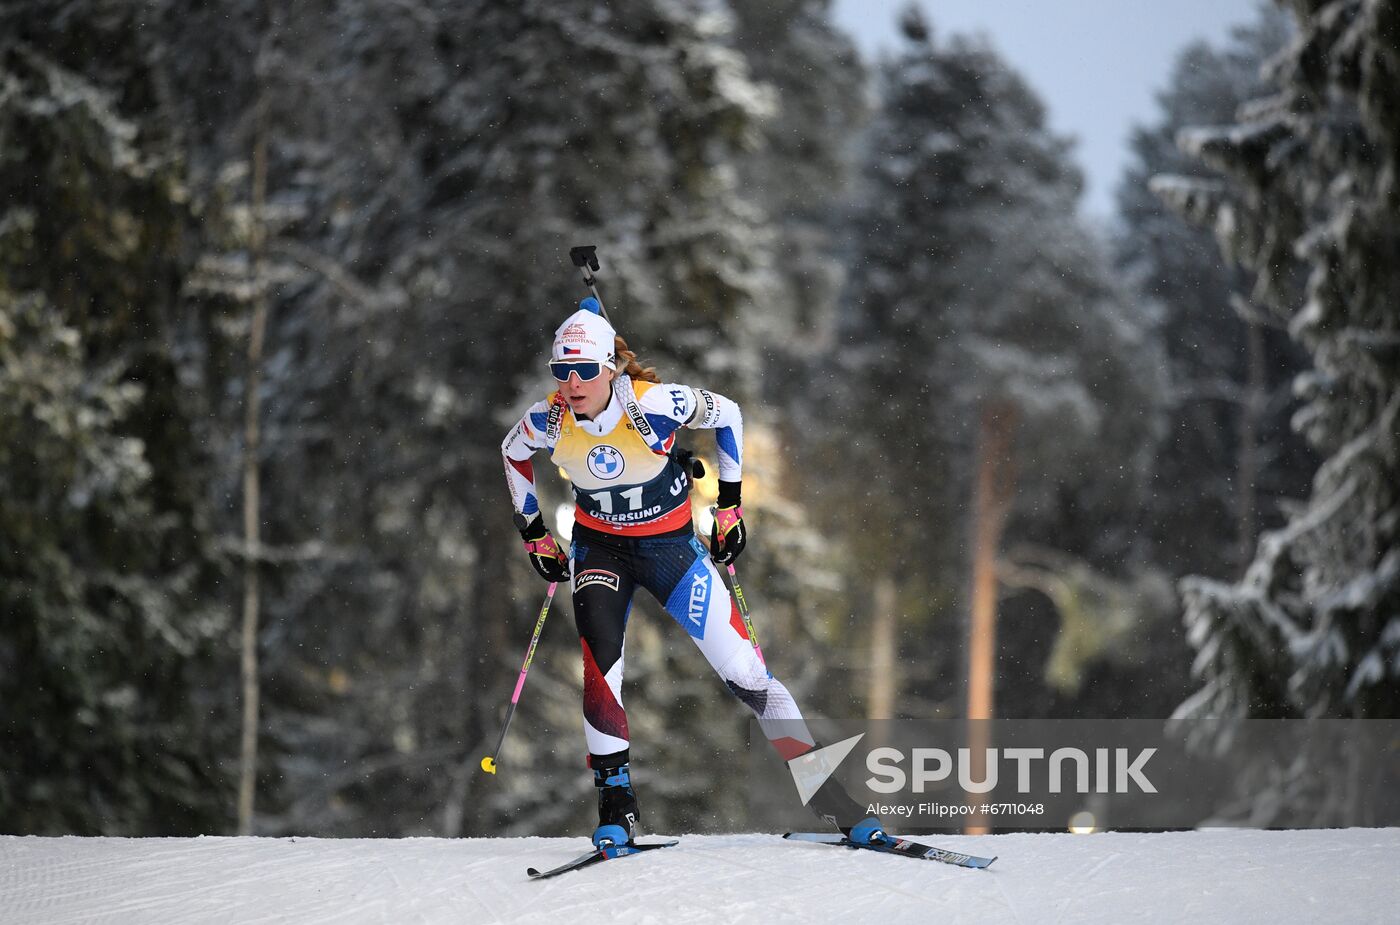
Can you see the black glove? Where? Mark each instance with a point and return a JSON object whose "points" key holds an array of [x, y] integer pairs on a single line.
{"points": [[728, 534], [545, 555], [692, 464]]}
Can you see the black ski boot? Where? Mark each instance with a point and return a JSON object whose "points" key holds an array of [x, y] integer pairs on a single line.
{"points": [[617, 804], [834, 804]]}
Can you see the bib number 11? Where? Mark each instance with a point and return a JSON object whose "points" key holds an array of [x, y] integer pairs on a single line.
{"points": [[604, 499]]}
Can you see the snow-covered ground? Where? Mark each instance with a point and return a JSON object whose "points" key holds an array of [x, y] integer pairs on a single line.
{"points": [[1233, 876]]}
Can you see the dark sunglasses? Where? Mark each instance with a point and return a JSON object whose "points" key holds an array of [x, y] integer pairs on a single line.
{"points": [[587, 370]]}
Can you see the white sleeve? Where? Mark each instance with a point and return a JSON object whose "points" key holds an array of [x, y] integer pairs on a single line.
{"points": [[667, 407], [524, 439], [715, 412]]}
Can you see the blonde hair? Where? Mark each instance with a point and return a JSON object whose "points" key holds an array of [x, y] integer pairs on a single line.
{"points": [[627, 362]]}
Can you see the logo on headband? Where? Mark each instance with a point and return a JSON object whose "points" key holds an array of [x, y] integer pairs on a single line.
{"points": [[572, 351], [574, 334]]}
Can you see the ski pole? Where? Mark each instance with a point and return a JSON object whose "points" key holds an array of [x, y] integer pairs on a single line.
{"points": [[585, 257], [743, 604], [488, 764], [744, 611]]}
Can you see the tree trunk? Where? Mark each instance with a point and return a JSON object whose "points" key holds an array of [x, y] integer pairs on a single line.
{"points": [[1247, 465], [492, 631], [252, 541], [884, 651], [995, 487]]}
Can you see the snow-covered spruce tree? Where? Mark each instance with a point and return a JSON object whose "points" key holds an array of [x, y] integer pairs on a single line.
{"points": [[896, 471], [984, 342], [109, 603], [800, 173], [801, 170], [1314, 188], [1228, 456]]}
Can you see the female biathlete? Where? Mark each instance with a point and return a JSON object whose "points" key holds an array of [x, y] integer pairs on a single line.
{"points": [[611, 427]]}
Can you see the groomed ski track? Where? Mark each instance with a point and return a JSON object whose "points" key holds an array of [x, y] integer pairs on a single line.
{"points": [[1223, 875]]}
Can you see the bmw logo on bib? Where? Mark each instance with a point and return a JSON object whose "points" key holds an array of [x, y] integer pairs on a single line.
{"points": [[605, 462]]}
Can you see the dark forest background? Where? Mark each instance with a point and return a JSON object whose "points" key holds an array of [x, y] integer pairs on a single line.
{"points": [[275, 280]]}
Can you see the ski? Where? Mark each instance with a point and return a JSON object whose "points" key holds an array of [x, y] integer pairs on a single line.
{"points": [[599, 854], [893, 845]]}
